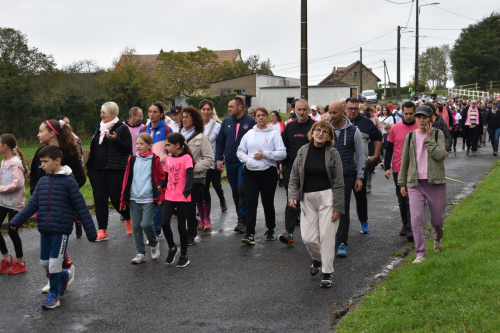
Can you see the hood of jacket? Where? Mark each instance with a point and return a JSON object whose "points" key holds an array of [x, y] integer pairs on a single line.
{"points": [[65, 171], [265, 133], [13, 162], [347, 124], [160, 124]]}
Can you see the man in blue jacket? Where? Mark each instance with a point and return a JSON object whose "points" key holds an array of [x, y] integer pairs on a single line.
{"points": [[232, 130]]}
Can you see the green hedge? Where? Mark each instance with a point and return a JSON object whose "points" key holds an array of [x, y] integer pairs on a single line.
{"points": [[404, 92], [220, 102]]}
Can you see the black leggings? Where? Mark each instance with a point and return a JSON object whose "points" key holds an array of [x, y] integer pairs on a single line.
{"points": [[14, 235], [192, 223], [168, 211], [456, 135], [214, 177]]}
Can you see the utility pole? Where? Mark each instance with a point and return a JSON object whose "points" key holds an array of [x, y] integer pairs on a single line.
{"points": [[360, 70], [398, 79], [385, 82], [416, 55], [303, 52]]}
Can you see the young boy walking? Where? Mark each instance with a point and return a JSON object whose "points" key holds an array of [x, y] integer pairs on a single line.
{"points": [[56, 198]]}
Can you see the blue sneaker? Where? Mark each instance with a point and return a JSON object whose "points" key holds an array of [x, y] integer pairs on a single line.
{"points": [[364, 228], [63, 285], [342, 251], [287, 239], [336, 242], [51, 302]]}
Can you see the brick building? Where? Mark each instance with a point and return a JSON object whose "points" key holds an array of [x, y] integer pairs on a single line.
{"points": [[349, 75]]}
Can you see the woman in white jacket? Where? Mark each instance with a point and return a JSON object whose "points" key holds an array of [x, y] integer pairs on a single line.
{"points": [[260, 149]]}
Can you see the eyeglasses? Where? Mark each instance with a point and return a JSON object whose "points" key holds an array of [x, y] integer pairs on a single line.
{"points": [[320, 131], [352, 109], [273, 115], [186, 117]]}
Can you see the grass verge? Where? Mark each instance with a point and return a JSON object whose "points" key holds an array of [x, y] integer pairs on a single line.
{"points": [[456, 290]]}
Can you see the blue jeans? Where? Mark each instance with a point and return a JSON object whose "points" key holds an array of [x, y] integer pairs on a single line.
{"points": [[494, 135], [157, 219], [238, 188]]}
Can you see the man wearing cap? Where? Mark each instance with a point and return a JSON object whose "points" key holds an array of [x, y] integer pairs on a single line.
{"points": [[393, 155], [469, 124], [314, 113]]}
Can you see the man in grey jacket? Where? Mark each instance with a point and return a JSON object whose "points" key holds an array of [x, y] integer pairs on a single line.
{"points": [[348, 142]]}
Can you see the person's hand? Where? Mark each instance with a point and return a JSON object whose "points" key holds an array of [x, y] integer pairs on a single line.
{"points": [[123, 207], [112, 137], [220, 165], [160, 202], [281, 167], [428, 130], [485, 127], [387, 174], [372, 160], [292, 203], [403, 191], [335, 216], [446, 154], [159, 188], [358, 185], [186, 193], [259, 155], [13, 228]]}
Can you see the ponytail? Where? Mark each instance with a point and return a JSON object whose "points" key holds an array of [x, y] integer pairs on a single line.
{"points": [[10, 141], [187, 150], [64, 135]]}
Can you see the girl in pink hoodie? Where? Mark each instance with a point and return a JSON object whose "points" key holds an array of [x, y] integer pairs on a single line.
{"points": [[12, 199]]}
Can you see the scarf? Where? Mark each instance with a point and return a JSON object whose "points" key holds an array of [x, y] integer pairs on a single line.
{"points": [[105, 127], [187, 134], [467, 121], [147, 154], [445, 116]]}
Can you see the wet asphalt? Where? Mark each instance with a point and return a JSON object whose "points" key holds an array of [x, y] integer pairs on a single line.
{"points": [[228, 287]]}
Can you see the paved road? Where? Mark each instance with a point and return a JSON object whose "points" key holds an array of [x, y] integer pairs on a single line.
{"points": [[228, 287]]}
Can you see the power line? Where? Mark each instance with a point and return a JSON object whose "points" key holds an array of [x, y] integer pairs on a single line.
{"points": [[399, 3], [451, 12], [411, 9], [434, 29]]}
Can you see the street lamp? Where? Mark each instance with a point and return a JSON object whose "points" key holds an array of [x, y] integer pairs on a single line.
{"points": [[416, 47], [398, 67]]}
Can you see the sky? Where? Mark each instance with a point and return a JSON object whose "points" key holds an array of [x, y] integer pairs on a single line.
{"points": [[99, 30]]}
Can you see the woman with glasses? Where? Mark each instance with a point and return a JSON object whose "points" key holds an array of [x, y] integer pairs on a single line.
{"points": [[276, 122], [317, 181]]}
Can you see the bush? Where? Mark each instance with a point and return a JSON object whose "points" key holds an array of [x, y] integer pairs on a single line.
{"points": [[220, 102], [404, 92]]}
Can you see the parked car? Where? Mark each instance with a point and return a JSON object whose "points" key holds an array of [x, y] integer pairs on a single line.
{"points": [[370, 96], [361, 98]]}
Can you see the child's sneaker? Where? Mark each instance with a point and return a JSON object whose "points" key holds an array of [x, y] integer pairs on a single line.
{"points": [[326, 281], [155, 251], [51, 302], [101, 236], [71, 272], [18, 268], [171, 256], [183, 261], [63, 285], [6, 265], [139, 258], [128, 225], [287, 239], [46, 288]]}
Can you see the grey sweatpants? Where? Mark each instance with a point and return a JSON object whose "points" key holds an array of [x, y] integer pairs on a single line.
{"points": [[142, 220]]}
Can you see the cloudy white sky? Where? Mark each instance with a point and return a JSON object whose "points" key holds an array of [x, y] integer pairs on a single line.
{"points": [[99, 30]]}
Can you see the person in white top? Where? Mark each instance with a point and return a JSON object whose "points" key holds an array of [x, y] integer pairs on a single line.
{"points": [[385, 116], [423, 97], [260, 150], [314, 113], [204, 204], [175, 114], [276, 122]]}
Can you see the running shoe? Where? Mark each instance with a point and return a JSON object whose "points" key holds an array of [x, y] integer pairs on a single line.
{"points": [[191, 241], [6, 265], [315, 267], [326, 281], [18, 268], [183, 261], [494, 154], [139, 258], [155, 251], [297, 222], [418, 260], [403, 231], [51, 302], [171, 256], [46, 288], [160, 235], [101, 236], [248, 239], [438, 245], [240, 227], [71, 272], [409, 237], [364, 228], [287, 239], [368, 190], [128, 225], [269, 235], [342, 252], [63, 285], [78, 229], [223, 206]]}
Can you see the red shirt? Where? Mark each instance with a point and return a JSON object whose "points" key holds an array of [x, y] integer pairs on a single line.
{"points": [[391, 108], [397, 136]]}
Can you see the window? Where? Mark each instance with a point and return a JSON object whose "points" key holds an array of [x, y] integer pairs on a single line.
{"points": [[240, 91], [224, 92], [355, 74]]}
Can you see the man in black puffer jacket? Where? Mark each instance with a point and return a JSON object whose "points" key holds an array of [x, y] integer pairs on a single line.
{"points": [[492, 122], [56, 198]]}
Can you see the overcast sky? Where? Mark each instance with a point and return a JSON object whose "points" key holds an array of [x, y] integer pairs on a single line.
{"points": [[99, 30]]}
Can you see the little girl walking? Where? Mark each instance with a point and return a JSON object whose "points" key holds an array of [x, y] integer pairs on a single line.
{"points": [[179, 175], [12, 200], [139, 191]]}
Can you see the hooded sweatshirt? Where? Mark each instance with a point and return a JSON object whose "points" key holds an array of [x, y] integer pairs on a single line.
{"points": [[349, 142], [268, 140], [12, 192], [159, 134]]}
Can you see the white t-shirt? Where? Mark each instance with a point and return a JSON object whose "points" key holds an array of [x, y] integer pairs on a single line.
{"points": [[213, 135], [386, 119]]}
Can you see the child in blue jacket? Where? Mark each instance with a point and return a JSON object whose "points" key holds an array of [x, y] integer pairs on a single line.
{"points": [[56, 198]]}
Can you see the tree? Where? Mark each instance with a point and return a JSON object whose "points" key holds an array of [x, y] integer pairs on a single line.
{"points": [[475, 55], [434, 64], [251, 65]]}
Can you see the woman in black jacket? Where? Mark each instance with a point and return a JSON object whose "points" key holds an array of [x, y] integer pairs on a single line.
{"points": [[109, 151], [492, 122]]}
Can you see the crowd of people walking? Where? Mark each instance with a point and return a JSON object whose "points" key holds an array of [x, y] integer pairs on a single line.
{"points": [[165, 168]]}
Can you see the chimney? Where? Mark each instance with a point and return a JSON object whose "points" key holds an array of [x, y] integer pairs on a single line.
{"points": [[161, 51]]}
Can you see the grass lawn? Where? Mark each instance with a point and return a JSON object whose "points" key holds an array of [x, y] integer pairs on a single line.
{"points": [[456, 290]]}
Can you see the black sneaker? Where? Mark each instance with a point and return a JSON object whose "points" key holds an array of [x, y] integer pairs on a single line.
{"points": [[409, 237], [171, 256], [248, 239], [326, 281], [191, 241], [78, 229], [297, 222], [269, 235], [403, 231], [223, 206], [240, 227], [183, 261], [315, 267]]}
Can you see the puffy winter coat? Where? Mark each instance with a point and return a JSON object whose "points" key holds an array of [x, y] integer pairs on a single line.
{"points": [[56, 198]]}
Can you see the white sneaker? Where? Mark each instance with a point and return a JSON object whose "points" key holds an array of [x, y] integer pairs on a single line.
{"points": [[71, 272], [161, 234], [155, 252], [139, 258], [418, 260], [438, 245], [46, 288], [147, 242]]}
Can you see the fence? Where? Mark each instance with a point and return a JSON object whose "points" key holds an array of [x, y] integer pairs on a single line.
{"points": [[471, 90]]}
